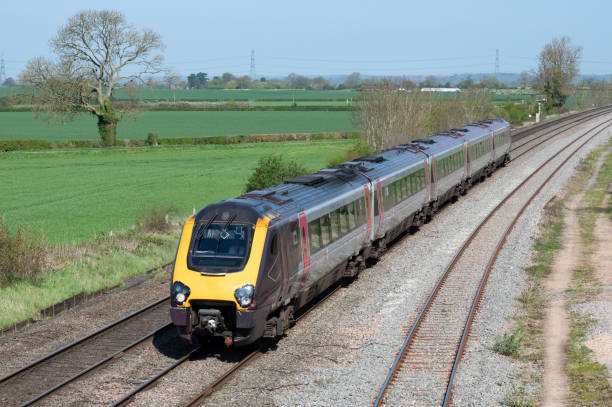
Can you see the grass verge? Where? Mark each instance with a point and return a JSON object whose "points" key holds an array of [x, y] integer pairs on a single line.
{"points": [[100, 263], [526, 341], [588, 379]]}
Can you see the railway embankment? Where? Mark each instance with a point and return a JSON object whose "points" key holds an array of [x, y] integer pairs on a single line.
{"points": [[338, 355]]}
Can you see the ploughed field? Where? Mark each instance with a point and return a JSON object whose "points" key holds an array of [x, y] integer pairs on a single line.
{"points": [[169, 124], [78, 194]]}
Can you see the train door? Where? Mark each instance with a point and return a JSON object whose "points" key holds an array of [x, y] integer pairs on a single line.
{"points": [[433, 179], [291, 254], [379, 214], [369, 212], [305, 248], [466, 161]]}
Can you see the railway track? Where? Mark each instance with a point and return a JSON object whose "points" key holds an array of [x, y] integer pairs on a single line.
{"points": [[428, 359], [531, 143], [45, 376], [227, 374]]}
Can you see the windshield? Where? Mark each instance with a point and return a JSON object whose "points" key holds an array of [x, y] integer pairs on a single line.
{"points": [[223, 245]]}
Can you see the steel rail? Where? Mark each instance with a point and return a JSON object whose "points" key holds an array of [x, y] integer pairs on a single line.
{"points": [[402, 351], [493, 258], [96, 365], [570, 125], [83, 339], [219, 381]]}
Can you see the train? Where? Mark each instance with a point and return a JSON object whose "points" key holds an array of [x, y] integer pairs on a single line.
{"points": [[245, 266]]}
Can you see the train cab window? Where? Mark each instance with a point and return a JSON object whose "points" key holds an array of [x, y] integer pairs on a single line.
{"points": [[344, 220], [314, 231], [335, 225], [222, 245]]}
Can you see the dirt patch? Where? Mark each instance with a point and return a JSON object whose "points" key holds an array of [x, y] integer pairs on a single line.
{"points": [[556, 323], [601, 340]]}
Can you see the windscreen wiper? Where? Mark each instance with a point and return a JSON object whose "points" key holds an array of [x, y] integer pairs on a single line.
{"points": [[224, 230], [204, 228]]}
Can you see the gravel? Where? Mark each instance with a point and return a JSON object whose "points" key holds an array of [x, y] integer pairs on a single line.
{"points": [[341, 352]]}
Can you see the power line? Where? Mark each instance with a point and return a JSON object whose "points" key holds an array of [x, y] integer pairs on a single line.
{"points": [[497, 61], [2, 70], [253, 74]]}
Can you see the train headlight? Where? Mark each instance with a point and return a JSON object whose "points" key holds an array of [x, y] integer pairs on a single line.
{"points": [[179, 293], [244, 295]]}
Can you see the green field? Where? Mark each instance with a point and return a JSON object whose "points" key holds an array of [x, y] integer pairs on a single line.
{"points": [[78, 194], [222, 94], [23, 126]]}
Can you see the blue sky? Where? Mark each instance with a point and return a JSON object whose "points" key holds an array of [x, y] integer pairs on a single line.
{"points": [[334, 37]]}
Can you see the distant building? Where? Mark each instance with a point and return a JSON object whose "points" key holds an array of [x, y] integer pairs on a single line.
{"points": [[440, 90]]}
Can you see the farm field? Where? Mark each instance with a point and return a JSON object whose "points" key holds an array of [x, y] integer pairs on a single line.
{"points": [[79, 194], [23, 126], [221, 94]]}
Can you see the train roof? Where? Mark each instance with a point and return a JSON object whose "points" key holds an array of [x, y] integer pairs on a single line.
{"points": [[307, 191]]}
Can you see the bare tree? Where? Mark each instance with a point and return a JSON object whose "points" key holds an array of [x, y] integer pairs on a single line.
{"points": [[558, 66], [353, 80], [97, 51], [389, 116]]}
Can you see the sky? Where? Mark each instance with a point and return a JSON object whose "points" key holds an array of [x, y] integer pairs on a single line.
{"points": [[315, 37]]}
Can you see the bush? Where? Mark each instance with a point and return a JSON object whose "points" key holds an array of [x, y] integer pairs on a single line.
{"points": [[509, 344], [358, 150], [156, 219], [273, 170], [23, 255], [152, 139]]}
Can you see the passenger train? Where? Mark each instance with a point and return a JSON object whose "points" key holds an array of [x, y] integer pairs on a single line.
{"points": [[245, 265]]}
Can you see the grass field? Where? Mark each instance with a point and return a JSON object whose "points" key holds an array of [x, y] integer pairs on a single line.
{"points": [[76, 195], [23, 126], [223, 94]]}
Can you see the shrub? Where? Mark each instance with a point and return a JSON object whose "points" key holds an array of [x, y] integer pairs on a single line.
{"points": [[23, 255], [273, 170], [509, 344], [152, 139], [358, 150], [156, 219]]}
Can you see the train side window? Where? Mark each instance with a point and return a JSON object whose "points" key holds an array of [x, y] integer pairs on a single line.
{"points": [[314, 231], [274, 245], [350, 208], [404, 188], [375, 204], [413, 184], [361, 210], [344, 219], [422, 179], [335, 225], [325, 230]]}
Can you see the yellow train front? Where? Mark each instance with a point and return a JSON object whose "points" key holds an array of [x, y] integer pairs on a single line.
{"points": [[215, 291]]}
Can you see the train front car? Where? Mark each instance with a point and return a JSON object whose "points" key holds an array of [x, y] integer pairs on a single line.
{"points": [[214, 282]]}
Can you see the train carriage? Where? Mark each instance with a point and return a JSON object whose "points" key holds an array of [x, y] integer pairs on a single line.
{"points": [[245, 265]]}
